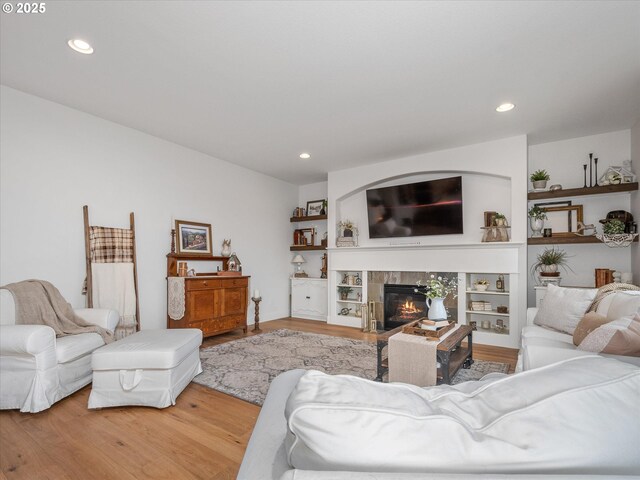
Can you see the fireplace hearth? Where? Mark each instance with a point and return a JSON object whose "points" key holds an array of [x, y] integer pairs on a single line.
{"points": [[402, 305]]}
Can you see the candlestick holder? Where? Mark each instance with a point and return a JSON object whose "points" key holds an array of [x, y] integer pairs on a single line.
{"points": [[591, 169], [173, 240], [256, 326], [595, 161], [585, 175]]}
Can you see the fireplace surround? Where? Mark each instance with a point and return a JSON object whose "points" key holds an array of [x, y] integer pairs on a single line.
{"points": [[402, 305]]}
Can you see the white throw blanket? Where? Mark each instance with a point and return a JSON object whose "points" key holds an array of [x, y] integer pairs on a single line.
{"points": [[176, 304], [113, 287]]}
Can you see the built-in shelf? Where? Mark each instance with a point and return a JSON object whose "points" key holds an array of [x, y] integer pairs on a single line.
{"points": [[312, 218], [349, 301], [488, 312], [579, 192], [492, 331], [565, 240], [346, 285], [295, 248], [488, 292]]}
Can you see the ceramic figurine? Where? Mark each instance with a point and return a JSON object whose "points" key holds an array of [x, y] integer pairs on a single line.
{"points": [[226, 247]]}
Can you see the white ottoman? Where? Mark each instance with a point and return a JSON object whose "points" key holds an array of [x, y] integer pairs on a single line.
{"points": [[149, 368]]}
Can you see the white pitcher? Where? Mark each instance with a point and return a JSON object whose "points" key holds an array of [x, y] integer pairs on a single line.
{"points": [[436, 309]]}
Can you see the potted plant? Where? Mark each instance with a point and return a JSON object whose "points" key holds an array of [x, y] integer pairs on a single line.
{"points": [[323, 210], [537, 216], [344, 292], [500, 219], [549, 260], [481, 285], [436, 290], [539, 179], [613, 227]]}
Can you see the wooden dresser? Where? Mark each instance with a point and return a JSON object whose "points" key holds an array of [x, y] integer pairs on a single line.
{"points": [[214, 304]]}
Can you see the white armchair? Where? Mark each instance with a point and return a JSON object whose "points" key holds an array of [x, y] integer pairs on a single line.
{"points": [[36, 368]]}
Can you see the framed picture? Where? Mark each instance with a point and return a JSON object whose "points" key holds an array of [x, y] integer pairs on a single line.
{"points": [[558, 216], [314, 207], [193, 238], [557, 222], [308, 236], [489, 219]]}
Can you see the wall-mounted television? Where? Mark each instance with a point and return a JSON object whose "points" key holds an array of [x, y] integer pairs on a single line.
{"points": [[433, 207]]}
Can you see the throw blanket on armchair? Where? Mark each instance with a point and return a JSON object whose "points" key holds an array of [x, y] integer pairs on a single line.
{"points": [[40, 303]]}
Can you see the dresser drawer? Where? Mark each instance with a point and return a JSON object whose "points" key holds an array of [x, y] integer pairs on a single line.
{"points": [[234, 282], [201, 284], [225, 323]]}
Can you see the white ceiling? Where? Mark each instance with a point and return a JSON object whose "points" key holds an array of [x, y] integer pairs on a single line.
{"points": [[353, 83]]}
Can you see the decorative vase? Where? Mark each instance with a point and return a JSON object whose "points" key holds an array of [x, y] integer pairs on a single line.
{"points": [[343, 296], [536, 227], [481, 287], [436, 309], [553, 268], [540, 184]]}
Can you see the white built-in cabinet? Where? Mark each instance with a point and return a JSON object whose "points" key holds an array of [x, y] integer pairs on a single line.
{"points": [[309, 298]]}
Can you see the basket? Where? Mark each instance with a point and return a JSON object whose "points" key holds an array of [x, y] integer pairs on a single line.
{"points": [[617, 239], [413, 328]]}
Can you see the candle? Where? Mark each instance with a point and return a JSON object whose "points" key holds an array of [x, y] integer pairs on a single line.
{"points": [[256, 293]]}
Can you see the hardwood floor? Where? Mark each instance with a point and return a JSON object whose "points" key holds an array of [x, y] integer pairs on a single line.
{"points": [[202, 437]]}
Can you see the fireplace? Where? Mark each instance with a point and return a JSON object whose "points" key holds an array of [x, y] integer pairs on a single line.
{"points": [[402, 305]]}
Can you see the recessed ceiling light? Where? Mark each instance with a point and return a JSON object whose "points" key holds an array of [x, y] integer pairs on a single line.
{"points": [[80, 46], [304, 156], [505, 107]]}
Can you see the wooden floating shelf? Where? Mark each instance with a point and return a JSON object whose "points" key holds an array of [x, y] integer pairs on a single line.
{"points": [[308, 219], [565, 240], [579, 192], [295, 248]]}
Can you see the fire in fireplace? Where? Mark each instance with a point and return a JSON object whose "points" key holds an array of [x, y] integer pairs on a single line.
{"points": [[402, 305]]}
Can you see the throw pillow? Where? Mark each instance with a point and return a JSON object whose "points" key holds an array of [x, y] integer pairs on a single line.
{"points": [[588, 324], [563, 308], [623, 305], [619, 337]]}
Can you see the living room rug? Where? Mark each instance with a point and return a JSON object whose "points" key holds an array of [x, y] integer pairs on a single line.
{"points": [[244, 368]]}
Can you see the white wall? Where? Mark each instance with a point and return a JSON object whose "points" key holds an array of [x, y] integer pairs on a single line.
{"points": [[494, 178], [306, 193], [564, 161], [54, 159], [635, 199]]}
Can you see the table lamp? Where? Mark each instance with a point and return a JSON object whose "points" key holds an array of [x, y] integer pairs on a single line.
{"points": [[299, 260]]}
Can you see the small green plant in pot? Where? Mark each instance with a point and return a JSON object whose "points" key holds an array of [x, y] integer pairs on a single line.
{"points": [[613, 227], [500, 220], [549, 261], [537, 216], [344, 292], [539, 179], [482, 284]]}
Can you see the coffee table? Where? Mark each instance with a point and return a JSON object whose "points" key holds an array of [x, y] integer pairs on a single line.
{"points": [[450, 353]]}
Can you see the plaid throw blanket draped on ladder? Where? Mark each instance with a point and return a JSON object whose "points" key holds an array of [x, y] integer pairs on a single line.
{"points": [[112, 275]]}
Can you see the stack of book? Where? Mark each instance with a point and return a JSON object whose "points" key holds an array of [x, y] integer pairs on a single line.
{"points": [[480, 305], [435, 325]]}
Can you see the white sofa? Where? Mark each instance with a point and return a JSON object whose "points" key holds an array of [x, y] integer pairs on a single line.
{"points": [[36, 368], [542, 346], [540, 424]]}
